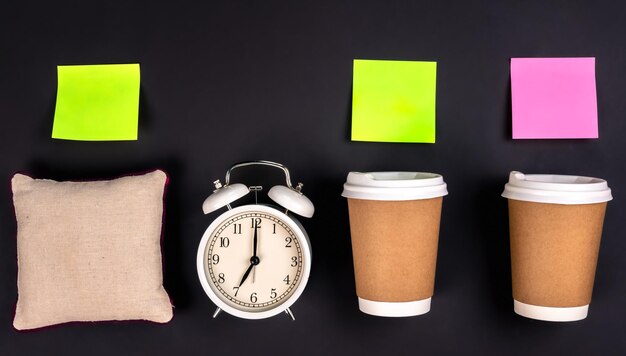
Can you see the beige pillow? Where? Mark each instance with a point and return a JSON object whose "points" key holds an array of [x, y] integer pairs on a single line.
{"points": [[89, 251]]}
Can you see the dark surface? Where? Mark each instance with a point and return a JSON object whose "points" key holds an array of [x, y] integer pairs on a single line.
{"points": [[224, 82]]}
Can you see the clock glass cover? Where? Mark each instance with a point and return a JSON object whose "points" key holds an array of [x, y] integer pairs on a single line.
{"points": [[253, 260]]}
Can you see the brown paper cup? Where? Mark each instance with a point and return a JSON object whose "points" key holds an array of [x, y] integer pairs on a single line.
{"points": [[555, 231], [394, 242]]}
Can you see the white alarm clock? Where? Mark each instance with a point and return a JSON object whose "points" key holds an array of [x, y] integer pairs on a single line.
{"points": [[254, 260]]}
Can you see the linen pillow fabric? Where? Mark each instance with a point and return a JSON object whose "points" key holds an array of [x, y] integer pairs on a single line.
{"points": [[89, 251]]}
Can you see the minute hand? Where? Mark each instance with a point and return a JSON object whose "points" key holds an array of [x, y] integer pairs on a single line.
{"points": [[255, 240]]}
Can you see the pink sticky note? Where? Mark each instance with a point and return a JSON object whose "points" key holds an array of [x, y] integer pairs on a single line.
{"points": [[554, 98]]}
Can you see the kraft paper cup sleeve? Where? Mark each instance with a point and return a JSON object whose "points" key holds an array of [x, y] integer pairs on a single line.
{"points": [[395, 248], [554, 251]]}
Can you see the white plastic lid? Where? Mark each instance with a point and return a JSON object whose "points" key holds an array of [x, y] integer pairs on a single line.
{"points": [[394, 186], [556, 189]]}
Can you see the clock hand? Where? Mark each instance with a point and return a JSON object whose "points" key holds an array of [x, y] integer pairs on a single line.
{"points": [[245, 275], [253, 262], [255, 240]]}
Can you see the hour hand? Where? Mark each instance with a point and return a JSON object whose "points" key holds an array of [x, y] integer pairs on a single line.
{"points": [[254, 260], [245, 275]]}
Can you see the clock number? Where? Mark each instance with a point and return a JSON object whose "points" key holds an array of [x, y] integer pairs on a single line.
{"points": [[224, 242], [215, 259], [286, 280], [237, 229], [255, 222], [273, 293], [220, 278], [253, 297], [236, 290], [288, 241], [294, 261], [274, 230]]}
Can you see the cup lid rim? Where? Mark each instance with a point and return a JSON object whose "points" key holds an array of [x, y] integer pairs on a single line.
{"points": [[555, 188], [394, 185]]}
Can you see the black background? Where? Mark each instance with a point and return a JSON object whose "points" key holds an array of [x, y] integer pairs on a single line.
{"points": [[229, 81]]}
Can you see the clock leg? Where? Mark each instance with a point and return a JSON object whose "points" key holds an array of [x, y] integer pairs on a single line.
{"points": [[217, 312], [288, 312]]}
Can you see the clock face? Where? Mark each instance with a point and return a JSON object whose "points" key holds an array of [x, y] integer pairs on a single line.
{"points": [[254, 259]]}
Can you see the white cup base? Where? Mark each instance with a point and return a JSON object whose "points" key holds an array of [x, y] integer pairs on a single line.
{"points": [[550, 313], [394, 309]]}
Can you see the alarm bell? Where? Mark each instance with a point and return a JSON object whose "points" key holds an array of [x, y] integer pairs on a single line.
{"points": [[287, 196], [224, 196], [292, 200]]}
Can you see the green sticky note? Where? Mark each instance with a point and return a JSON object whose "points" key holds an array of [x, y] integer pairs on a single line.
{"points": [[393, 101], [97, 102]]}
